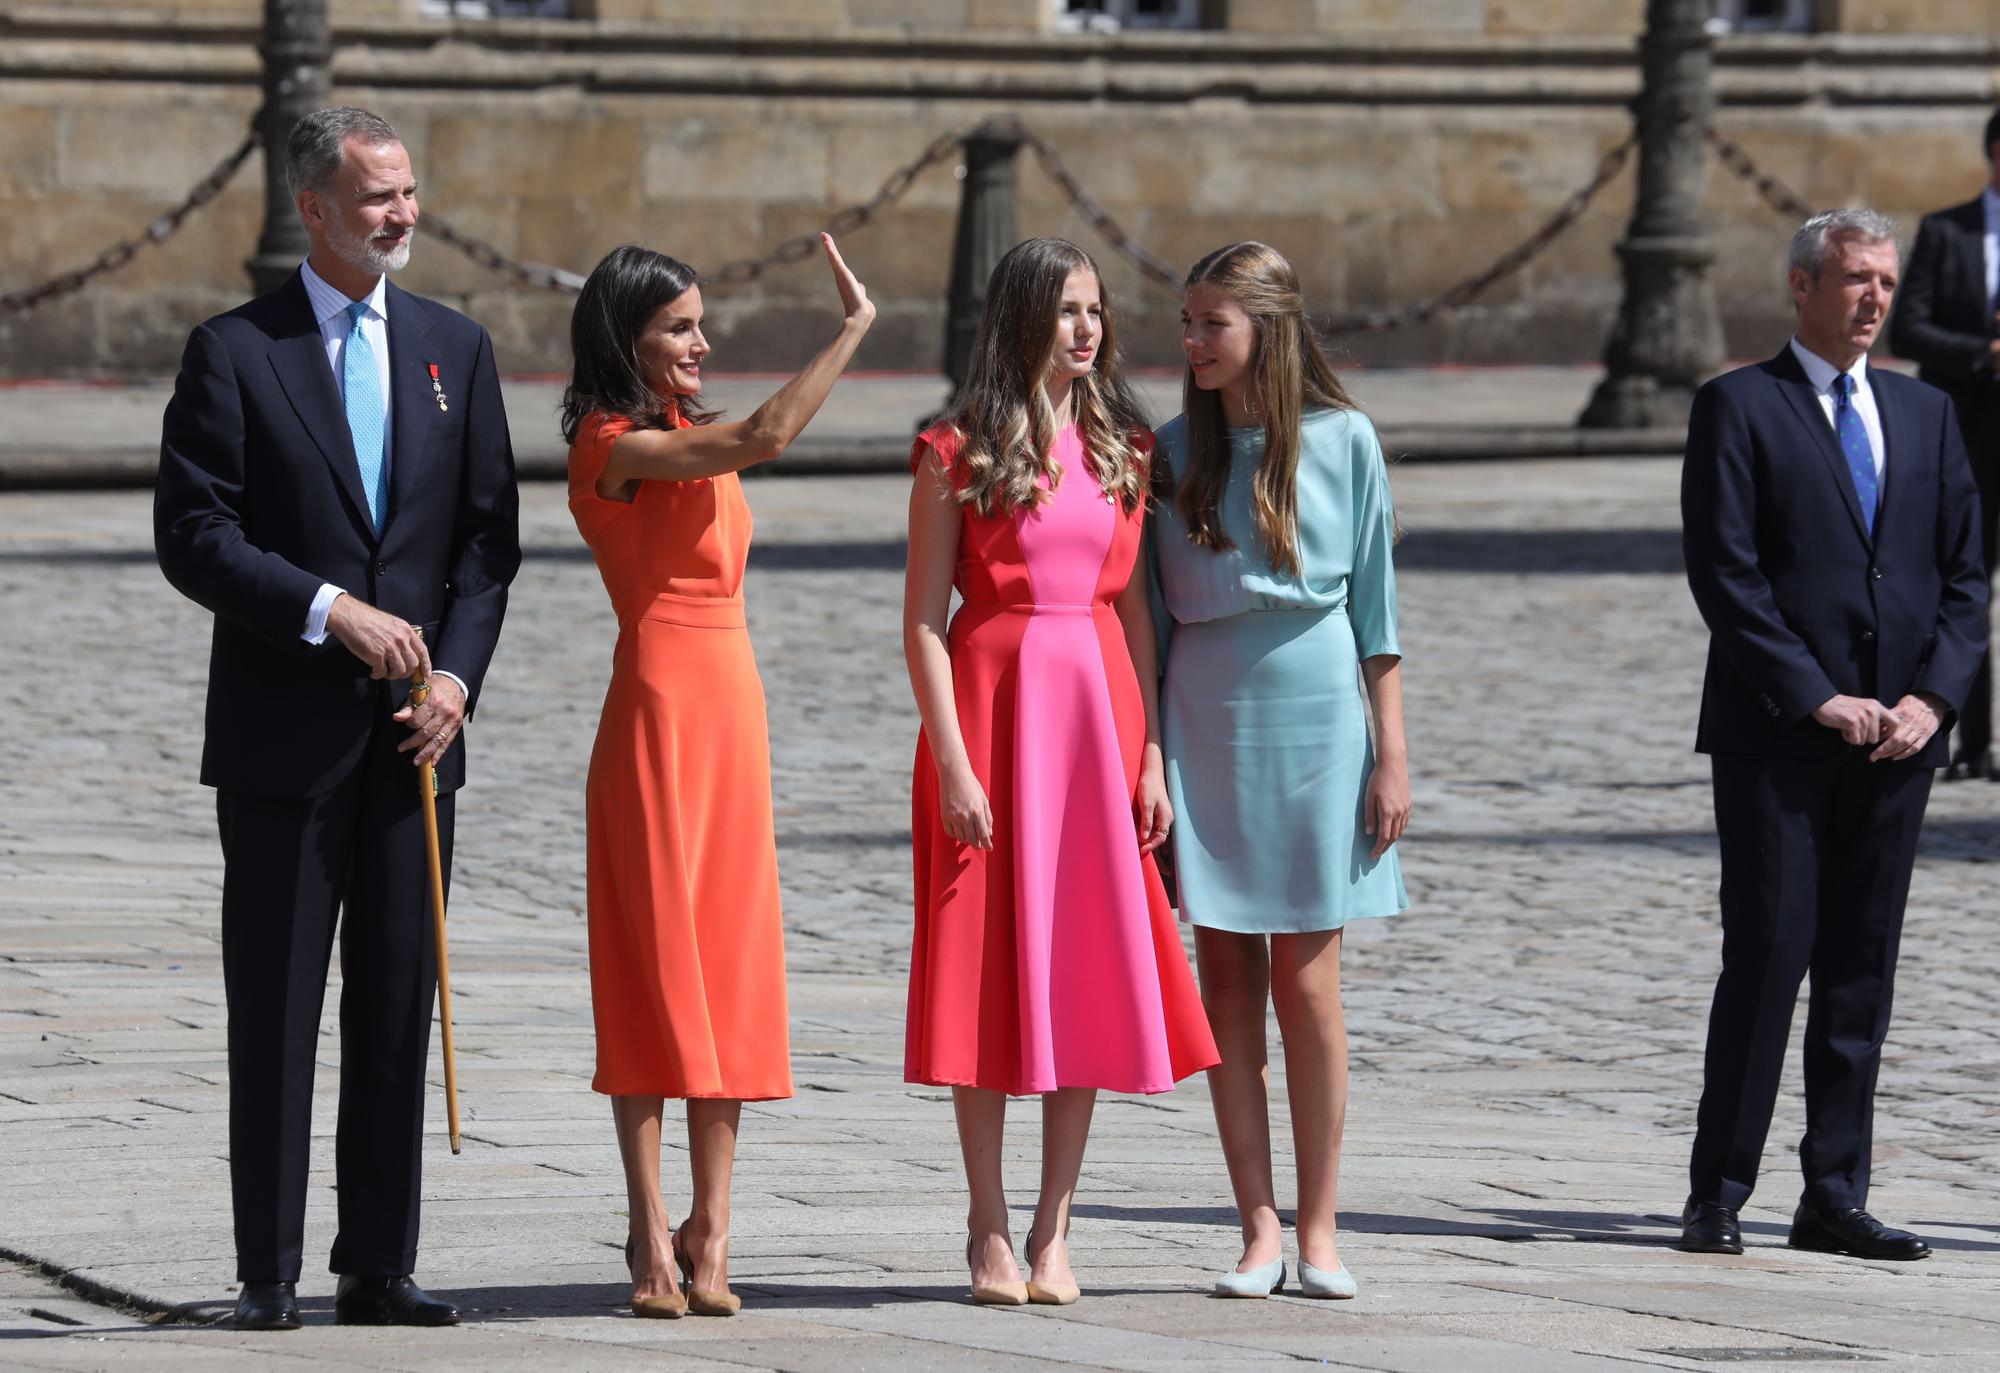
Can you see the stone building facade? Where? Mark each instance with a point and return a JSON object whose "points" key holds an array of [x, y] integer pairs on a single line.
{"points": [[1391, 147]]}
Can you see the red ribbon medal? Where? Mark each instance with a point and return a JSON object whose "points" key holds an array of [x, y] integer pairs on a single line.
{"points": [[437, 387]]}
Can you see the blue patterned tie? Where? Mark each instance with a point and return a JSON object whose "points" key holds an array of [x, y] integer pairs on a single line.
{"points": [[361, 385], [1854, 445]]}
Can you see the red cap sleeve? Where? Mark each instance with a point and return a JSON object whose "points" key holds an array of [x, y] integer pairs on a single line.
{"points": [[945, 441]]}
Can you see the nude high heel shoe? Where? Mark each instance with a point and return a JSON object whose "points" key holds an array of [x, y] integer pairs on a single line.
{"points": [[700, 1300], [671, 1307], [995, 1293], [1048, 1293]]}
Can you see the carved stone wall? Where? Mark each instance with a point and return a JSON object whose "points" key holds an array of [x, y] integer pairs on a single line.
{"points": [[1387, 166]]}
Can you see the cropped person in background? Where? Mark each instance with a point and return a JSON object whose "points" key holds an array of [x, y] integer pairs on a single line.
{"points": [[1947, 321]]}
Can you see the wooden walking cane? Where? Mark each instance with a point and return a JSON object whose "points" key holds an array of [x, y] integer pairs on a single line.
{"points": [[420, 692]]}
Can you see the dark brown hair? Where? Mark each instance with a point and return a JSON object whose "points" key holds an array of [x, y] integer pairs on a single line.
{"points": [[623, 291]]}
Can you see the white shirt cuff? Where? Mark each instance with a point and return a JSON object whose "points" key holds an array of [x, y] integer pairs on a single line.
{"points": [[462, 689], [316, 616]]}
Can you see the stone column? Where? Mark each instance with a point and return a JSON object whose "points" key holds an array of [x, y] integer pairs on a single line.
{"points": [[985, 232], [1667, 339], [298, 52]]}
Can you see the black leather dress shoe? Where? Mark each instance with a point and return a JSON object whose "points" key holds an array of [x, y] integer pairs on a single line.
{"points": [[388, 1301], [1967, 766], [1707, 1228], [1855, 1232], [267, 1306]]}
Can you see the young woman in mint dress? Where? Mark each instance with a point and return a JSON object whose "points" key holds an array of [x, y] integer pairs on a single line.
{"points": [[1272, 534]]}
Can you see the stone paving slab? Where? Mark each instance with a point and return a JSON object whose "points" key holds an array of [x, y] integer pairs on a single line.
{"points": [[1526, 1041]]}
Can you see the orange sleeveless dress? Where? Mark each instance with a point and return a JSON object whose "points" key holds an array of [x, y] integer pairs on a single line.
{"points": [[687, 958]]}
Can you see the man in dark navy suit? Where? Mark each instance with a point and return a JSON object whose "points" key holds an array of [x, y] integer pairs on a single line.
{"points": [[337, 486], [1947, 321], [1829, 530]]}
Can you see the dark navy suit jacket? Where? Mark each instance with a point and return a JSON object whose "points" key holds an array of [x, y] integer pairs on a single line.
{"points": [[1943, 320], [1801, 603], [259, 500]]}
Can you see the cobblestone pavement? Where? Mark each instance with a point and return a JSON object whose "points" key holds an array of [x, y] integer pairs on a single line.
{"points": [[1526, 1040]]}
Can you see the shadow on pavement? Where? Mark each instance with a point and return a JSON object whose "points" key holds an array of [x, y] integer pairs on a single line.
{"points": [[1543, 551], [1524, 551]]}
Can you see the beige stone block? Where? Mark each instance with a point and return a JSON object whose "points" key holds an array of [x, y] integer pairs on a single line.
{"points": [[1917, 16], [1910, 170], [1123, 166], [1276, 16], [864, 150], [1584, 259], [1529, 165], [346, 12], [51, 235], [905, 252], [28, 137], [163, 141], [556, 151], [1404, 16], [1307, 165], [817, 14], [1561, 17], [912, 14], [1017, 15], [716, 154], [161, 7], [703, 236]]}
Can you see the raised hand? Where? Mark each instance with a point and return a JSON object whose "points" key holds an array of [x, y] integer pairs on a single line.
{"points": [[854, 302]]}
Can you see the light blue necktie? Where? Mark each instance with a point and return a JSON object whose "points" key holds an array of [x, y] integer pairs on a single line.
{"points": [[1855, 447], [361, 388]]}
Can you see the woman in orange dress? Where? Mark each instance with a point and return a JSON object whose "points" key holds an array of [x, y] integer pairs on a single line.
{"points": [[687, 962]]}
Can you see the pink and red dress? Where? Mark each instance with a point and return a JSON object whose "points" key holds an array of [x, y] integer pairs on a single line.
{"points": [[1051, 959]]}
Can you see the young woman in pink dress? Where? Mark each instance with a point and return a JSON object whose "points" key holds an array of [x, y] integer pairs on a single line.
{"points": [[1047, 960]]}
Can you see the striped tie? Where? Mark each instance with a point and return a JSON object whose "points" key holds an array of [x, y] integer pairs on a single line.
{"points": [[1855, 447], [361, 385]]}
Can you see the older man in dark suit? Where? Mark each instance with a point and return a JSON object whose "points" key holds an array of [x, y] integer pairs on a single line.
{"points": [[1829, 530], [1947, 321], [337, 486]]}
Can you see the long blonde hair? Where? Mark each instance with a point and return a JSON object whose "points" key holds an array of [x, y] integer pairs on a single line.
{"points": [[1002, 414], [1289, 373]]}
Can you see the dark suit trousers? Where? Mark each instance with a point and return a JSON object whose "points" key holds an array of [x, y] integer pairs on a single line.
{"points": [[1981, 427], [293, 870], [1816, 861]]}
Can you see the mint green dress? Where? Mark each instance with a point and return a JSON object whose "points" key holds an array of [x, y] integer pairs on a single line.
{"points": [[1264, 722]]}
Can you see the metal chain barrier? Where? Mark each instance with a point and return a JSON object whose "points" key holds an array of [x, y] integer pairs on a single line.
{"points": [[1151, 265], [162, 228], [1773, 191], [843, 220], [1513, 260], [535, 274]]}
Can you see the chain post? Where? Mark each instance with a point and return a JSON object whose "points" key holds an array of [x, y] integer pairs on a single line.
{"points": [[986, 230], [1668, 336], [298, 55]]}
